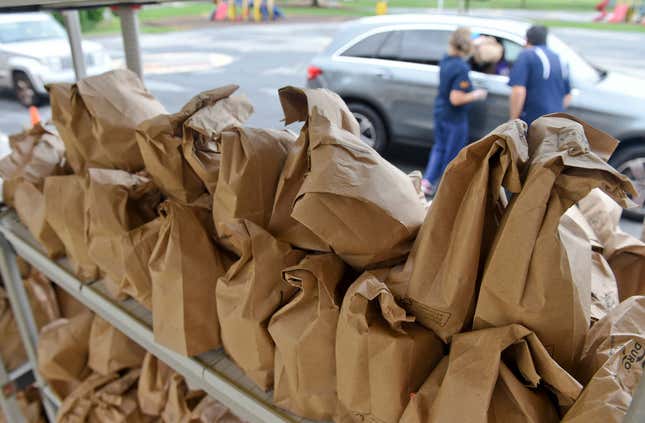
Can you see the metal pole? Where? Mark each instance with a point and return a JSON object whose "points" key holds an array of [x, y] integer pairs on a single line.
{"points": [[22, 313], [8, 402], [73, 26], [130, 35]]}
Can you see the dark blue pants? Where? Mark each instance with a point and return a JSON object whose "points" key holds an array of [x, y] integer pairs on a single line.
{"points": [[449, 139]]}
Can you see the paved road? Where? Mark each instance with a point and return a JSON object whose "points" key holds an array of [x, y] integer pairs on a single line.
{"points": [[263, 58]]}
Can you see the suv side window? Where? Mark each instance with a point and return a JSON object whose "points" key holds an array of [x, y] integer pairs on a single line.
{"points": [[424, 46], [368, 47], [391, 48]]}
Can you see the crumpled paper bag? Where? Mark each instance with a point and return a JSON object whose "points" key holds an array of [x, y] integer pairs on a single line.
{"points": [[29, 202], [304, 332], [383, 356], [201, 132], [184, 267], [103, 399], [248, 295], [116, 202], [36, 153], [494, 375], [29, 402], [176, 148], [11, 350], [456, 237], [154, 383], [298, 105], [67, 304], [209, 410], [63, 349], [624, 253], [251, 162], [364, 209], [65, 213], [611, 364], [42, 298], [181, 400], [528, 278], [97, 118], [137, 246], [110, 350]]}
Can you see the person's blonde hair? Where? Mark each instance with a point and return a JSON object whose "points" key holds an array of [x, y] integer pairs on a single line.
{"points": [[460, 41]]}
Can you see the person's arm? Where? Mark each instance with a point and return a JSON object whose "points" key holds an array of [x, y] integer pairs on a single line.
{"points": [[566, 101], [567, 89], [459, 98], [516, 103], [518, 80]]}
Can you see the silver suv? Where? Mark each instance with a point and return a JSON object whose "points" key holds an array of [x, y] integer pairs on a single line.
{"points": [[386, 69]]}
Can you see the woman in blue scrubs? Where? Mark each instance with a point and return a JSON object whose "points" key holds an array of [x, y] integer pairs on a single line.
{"points": [[450, 109]]}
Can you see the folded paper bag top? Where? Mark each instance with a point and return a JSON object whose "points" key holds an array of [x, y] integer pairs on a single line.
{"points": [[36, 153], [251, 162], [383, 356], [248, 295], [298, 104], [457, 234], [538, 289], [65, 212], [475, 382], [42, 298], [177, 148], [110, 350], [624, 253], [97, 118], [304, 332], [611, 365], [184, 268], [366, 210], [154, 382]]}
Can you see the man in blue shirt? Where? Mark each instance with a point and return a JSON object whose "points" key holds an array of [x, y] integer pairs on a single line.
{"points": [[539, 80]]}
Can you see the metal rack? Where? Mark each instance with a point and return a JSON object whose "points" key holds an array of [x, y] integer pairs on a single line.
{"points": [[212, 371]]}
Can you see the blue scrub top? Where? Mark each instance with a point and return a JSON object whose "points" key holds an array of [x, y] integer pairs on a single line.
{"points": [[545, 78], [453, 75]]}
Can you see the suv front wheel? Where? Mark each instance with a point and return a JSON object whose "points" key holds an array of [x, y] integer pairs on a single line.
{"points": [[371, 126], [24, 90], [630, 161]]}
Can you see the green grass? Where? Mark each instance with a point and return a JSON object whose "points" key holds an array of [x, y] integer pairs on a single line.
{"points": [[155, 19], [602, 26]]}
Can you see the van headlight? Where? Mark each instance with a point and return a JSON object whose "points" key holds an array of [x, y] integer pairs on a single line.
{"points": [[53, 63]]}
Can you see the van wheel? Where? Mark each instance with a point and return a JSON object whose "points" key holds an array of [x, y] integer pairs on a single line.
{"points": [[630, 161], [24, 90], [371, 126]]}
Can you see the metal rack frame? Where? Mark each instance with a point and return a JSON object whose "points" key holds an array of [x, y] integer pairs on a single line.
{"points": [[212, 371]]}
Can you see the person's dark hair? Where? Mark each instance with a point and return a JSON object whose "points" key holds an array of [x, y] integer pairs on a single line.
{"points": [[536, 35]]}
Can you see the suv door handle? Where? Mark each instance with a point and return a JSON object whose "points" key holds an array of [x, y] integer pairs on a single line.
{"points": [[384, 74]]}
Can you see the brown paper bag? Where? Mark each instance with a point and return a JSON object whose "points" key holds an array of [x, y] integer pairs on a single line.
{"points": [[528, 278], [63, 348], [248, 295], [298, 105], [137, 246], [29, 402], [77, 406], [204, 127], [456, 237], [611, 364], [67, 304], [116, 202], [30, 206], [475, 382], [110, 350], [65, 212], [11, 350], [97, 118], [184, 267], [383, 356], [23, 266], [209, 410], [304, 332], [181, 401], [154, 382], [251, 161], [624, 253], [42, 298], [177, 149], [36, 153]]}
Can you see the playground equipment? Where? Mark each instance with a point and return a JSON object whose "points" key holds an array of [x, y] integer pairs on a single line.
{"points": [[245, 10], [620, 11]]}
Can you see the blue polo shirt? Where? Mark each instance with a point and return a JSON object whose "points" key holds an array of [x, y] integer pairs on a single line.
{"points": [[453, 75], [545, 78]]}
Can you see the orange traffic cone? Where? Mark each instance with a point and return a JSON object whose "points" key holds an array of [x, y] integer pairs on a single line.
{"points": [[34, 115]]}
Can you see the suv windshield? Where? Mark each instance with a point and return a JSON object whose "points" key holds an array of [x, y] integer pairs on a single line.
{"points": [[13, 32]]}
